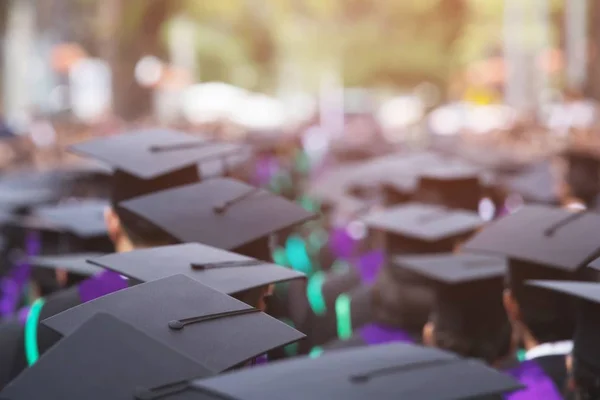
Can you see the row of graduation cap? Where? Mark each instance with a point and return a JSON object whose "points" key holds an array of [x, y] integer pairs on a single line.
{"points": [[220, 207]]}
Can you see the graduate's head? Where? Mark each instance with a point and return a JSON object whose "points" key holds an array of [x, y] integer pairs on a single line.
{"points": [[467, 316], [403, 299], [469, 320], [541, 242], [256, 297], [583, 364], [147, 162], [545, 315]]}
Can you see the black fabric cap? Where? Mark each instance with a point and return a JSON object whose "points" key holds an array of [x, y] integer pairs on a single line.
{"points": [[185, 315], [148, 154], [220, 212], [84, 219], [454, 269], [543, 235], [469, 289], [393, 371], [218, 269], [74, 263], [12, 199], [104, 359], [427, 223], [586, 346], [536, 184], [454, 187]]}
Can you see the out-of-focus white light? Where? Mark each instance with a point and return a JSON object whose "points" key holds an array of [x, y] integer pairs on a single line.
{"points": [[212, 101], [148, 71], [42, 134], [357, 230], [448, 120], [401, 112], [487, 209], [260, 112]]}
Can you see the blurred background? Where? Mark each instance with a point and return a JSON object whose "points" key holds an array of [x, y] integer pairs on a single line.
{"points": [[403, 71]]}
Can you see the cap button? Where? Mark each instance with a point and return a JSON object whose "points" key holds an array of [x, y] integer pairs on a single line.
{"points": [[176, 325]]}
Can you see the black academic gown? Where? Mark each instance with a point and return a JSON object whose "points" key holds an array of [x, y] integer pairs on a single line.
{"points": [[11, 337], [46, 337], [555, 368]]}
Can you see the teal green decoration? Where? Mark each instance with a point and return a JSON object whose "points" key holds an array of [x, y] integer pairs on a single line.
{"points": [[315, 352], [297, 254], [279, 257], [314, 293]]}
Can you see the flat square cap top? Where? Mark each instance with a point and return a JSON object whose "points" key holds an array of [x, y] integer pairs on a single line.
{"points": [[218, 269], [210, 327], [75, 263], [454, 268], [428, 223], [151, 153], [84, 219], [392, 371], [220, 212], [542, 235], [104, 359], [589, 291]]}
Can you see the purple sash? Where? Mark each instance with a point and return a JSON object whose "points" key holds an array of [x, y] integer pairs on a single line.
{"points": [[341, 244], [538, 384], [100, 285], [369, 265], [11, 286], [374, 334]]}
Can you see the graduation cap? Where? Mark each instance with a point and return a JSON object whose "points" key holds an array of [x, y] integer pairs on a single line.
{"points": [[73, 263], [542, 235], [83, 219], [19, 199], [536, 184], [393, 371], [451, 186], [423, 224], [212, 328], [583, 173], [220, 212], [104, 359], [218, 269], [469, 290], [585, 342], [150, 160]]}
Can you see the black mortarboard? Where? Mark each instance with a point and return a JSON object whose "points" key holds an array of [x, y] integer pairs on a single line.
{"points": [[212, 328], [220, 212], [392, 371], [469, 290], [425, 224], [17, 199], [74, 263], [583, 173], [536, 184], [218, 269], [586, 347], [151, 160], [84, 219], [104, 359], [542, 235], [451, 186]]}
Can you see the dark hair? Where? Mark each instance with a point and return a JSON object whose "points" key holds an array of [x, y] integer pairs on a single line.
{"points": [[402, 302], [587, 381], [549, 316], [252, 297], [142, 233], [490, 343]]}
